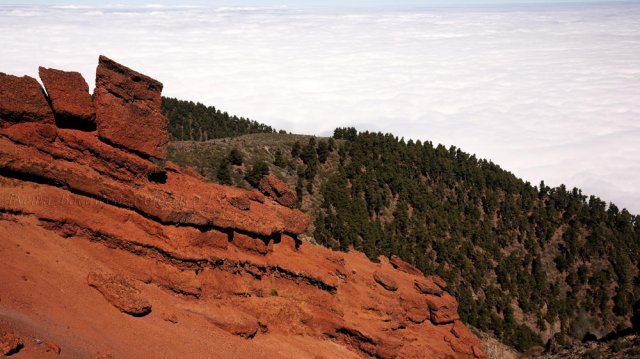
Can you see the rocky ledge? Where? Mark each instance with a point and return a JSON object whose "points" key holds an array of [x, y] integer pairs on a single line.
{"points": [[109, 250]]}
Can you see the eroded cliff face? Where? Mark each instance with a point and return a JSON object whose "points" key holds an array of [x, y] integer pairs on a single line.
{"points": [[106, 250]]}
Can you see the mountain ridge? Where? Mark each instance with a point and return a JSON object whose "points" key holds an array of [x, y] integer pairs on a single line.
{"points": [[547, 247]]}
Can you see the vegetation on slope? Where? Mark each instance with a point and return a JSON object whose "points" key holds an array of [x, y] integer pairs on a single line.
{"points": [[528, 263], [189, 121]]}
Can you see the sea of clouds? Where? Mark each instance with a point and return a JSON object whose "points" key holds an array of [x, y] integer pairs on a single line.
{"points": [[547, 92]]}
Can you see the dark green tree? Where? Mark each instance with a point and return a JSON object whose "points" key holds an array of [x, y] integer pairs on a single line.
{"points": [[257, 171]]}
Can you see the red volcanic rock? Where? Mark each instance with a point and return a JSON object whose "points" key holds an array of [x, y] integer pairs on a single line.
{"points": [[256, 196], [438, 281], [249, 244], [426, 286], [459, 330], [240, 202], [385, 281], [444, 309], [279, 191], [52, 347], [401, 265], [170, 317], [128, 109], [113, 175], [10, 343], [22, 100], [70, 99], [120, 292], [171, 278], [223, 260], [213, 238], [235, 323], [416, 309]]}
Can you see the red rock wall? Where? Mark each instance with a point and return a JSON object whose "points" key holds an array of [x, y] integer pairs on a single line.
{"points": [[148, 260]]}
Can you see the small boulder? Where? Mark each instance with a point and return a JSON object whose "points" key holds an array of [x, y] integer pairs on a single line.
{"points": [[426, 286], [279, 191], [416, 311], [120, 292], [170, 317], [240, 202], [52, 347], [385, 281], [10, 343], [22, 100], [403, 266], [128, 110], [256, 196], [70, 99], [443, 309], [234, 322]]}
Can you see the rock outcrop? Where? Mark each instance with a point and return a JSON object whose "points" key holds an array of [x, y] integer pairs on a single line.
{"points": [[279, 191], [212, 261], [120, 292], [68, 93], [128, 109], [22, 100]]}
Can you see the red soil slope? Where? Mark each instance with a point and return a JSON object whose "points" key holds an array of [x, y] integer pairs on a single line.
{"points": [[106, 251]]}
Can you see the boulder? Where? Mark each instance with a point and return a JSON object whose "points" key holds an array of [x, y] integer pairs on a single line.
{"points": [[233, 321], [70, 99], [52, 347], [170, 318], [279, 191], [426, 286], [240, 202], [443, 309], [22, 100], [385, 281], [128, 111], [403, 266], [120, 292], [416, 310], [256, 196]]}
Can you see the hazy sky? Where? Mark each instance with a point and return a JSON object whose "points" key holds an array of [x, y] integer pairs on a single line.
{"points": [[547, 92], [300, 3]]}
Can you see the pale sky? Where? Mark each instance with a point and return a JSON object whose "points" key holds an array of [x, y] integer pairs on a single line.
{"points": [[547, 92], [303, 3]]}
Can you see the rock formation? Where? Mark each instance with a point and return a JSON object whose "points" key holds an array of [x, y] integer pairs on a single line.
{"points": [[221, 267], [279, 191], [128, 109], [68, 93], [22, 100]]}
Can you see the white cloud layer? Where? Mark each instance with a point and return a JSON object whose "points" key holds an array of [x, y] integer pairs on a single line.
{"points": [[548, 93]]}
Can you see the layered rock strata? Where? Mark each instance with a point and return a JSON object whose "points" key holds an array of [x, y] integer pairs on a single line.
{"points": [[107, 252]]}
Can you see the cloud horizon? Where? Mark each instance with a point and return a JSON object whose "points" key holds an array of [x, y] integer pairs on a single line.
{"points": [[547, 93]]}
